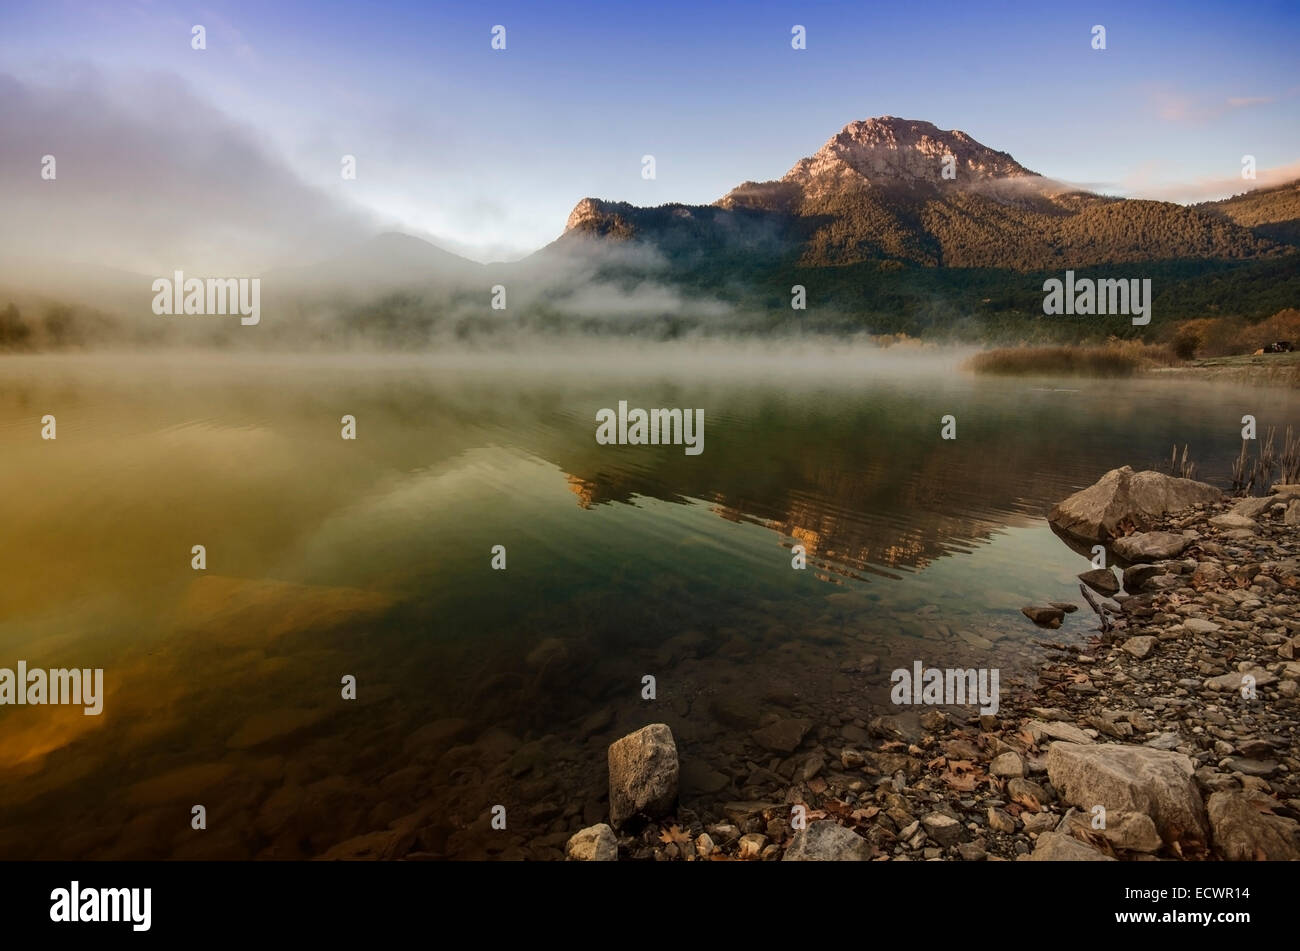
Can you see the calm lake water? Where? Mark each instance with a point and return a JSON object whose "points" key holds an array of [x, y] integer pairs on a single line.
{"points": [[475, 687]]}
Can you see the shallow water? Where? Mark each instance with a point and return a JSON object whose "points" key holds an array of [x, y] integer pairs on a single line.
{"points": [[371, 558]]}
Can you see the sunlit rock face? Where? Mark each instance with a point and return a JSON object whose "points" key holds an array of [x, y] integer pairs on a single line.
{"points": [[891, 150], [596, 217]]}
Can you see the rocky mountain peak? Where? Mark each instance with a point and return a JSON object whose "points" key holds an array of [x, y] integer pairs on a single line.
{"points": [[585, 213], [888, 150], [609, 219]]}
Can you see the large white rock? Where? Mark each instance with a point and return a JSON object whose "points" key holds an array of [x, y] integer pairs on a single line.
{"points": [[1131, 779], [1094, 514]]}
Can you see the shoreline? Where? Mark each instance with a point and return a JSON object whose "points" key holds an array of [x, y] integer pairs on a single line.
{"points": [[1148, 742], [1267, 370]]}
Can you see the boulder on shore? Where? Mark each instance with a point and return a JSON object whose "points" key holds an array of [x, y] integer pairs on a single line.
{"points": [[1094, 514], [643, 774], [1246, 829], [1133, 779]]}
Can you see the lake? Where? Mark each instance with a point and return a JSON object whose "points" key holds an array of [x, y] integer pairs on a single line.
{"points": [[372, 559]]}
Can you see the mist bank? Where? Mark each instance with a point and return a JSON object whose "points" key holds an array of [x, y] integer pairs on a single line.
{"points": [[499, 311], [396, 292], [808, 360]]}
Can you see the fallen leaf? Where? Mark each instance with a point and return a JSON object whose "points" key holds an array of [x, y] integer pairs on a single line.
{"points": [[1028, 801], [1094, 839], [674, 834]]}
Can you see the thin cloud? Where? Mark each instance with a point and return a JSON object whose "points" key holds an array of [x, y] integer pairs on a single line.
{"points": [[1174, 105], [1240, 102], [1207, 189]]}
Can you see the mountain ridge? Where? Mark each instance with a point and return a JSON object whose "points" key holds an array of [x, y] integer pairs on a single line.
{"points": [[902, 190]]}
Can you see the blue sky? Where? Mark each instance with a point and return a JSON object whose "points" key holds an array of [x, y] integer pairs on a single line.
{"points": [[489, 150]]}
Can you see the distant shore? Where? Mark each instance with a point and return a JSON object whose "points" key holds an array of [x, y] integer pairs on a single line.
{"points": [[1269, 368], [1129, 358]]}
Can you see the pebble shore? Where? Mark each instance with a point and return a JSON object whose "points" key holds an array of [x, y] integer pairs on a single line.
{"points": [[1172, 734]]}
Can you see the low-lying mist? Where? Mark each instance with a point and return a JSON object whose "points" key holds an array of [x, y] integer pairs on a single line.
{"points": [[788, 361], [397, 293]]}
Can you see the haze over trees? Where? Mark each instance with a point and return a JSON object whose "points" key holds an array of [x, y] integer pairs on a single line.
{"points": [[893, 227]]}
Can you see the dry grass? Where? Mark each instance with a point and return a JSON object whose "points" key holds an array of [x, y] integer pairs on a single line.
{"points": [[1186, 469], [1111, 359], [1249, 474], [1226, 336], [1291, 458]]}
